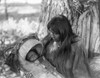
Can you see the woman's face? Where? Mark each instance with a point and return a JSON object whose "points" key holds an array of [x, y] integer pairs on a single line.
{"points": [[54, 35]]}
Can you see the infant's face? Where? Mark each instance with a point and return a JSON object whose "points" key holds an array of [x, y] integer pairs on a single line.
{"points": [[31, 56]]}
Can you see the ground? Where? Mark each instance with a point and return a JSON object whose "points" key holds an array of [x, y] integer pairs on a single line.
{"points": [[44, 70]]}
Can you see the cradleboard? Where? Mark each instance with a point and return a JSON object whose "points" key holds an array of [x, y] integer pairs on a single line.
{"points": [[25, 47], [16, 58]]}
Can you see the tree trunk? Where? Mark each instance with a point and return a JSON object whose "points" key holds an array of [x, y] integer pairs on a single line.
{"points": [[83, 16]]}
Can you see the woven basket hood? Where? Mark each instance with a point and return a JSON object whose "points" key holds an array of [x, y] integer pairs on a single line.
{"points": [[27, 45]]}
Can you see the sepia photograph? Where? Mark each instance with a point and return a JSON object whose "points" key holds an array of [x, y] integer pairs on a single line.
{"points": [[49, 38]]}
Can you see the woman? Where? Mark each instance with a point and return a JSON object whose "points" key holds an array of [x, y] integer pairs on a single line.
{"points": [[62, 50]]}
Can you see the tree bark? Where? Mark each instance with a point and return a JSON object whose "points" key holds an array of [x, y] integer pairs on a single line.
{"points": [[83, 16]]}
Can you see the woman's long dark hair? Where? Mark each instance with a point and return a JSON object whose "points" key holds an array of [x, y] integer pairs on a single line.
{"points": [[61, 25]]}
